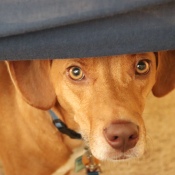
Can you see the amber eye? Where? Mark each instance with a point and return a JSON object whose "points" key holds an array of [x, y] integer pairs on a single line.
{"points": [[76, 73], [142, 67]]}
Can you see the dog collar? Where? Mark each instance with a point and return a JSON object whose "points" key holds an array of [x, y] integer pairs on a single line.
{"points": [[62, 127]]}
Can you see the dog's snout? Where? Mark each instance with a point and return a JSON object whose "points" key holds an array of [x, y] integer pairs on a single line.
{"points": [[122, 136]]}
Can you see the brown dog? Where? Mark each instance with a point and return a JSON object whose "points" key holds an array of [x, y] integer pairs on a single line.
{"points": [[101, 98]]}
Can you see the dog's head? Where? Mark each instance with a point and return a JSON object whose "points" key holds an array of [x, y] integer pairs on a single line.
{"points": [[104, 96]]}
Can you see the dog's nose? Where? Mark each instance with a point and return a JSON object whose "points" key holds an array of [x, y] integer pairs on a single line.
{"points": [[122, 136]]}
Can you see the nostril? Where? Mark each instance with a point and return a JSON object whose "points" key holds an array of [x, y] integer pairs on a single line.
{"points": [[115, 138], [133, 136]]}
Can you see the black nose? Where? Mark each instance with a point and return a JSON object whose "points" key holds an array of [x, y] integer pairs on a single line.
{"points": [[122, 136]]}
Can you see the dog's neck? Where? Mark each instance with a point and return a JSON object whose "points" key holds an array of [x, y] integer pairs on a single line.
{"points": [[68, 119], [62, 127]]}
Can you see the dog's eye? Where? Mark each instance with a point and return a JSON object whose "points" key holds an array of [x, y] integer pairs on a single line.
{"points": [[76, 73], [142, 67]]}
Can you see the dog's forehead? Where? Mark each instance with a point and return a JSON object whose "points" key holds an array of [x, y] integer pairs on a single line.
{"points": [[113, 63]]}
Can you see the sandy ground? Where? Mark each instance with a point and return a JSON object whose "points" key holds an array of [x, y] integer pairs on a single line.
{"points": [[159, 159]]}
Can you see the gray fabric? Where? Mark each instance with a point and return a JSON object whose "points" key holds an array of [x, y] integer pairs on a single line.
{"points": [[39, 29]]}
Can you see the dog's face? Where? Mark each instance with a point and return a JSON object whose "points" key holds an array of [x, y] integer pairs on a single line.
{"points": [[104, 96]]}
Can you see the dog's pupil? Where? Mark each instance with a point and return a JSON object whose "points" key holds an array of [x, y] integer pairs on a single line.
{"points": [[76, 71], [141, 65]]}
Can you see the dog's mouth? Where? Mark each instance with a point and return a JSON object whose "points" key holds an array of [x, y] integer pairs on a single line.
{"points": [[118, 155], [122, 157]]}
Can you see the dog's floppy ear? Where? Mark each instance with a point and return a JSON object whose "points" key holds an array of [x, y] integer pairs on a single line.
{"points": [[165, 80], [32, 80]]}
